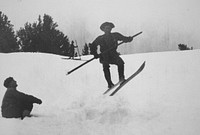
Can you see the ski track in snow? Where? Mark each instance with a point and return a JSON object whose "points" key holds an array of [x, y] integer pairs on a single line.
{"points": [[162, 99]]}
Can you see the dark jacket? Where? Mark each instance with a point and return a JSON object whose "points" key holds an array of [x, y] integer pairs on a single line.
{"points": [[108, 41], [15, 102]]}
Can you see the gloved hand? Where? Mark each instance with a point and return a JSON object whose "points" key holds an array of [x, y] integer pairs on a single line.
{"points": [[96, 56], [39, 101], [129, 39]]}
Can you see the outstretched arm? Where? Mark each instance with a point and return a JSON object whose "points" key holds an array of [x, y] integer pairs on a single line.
{"points": [[123, 38], [26, 97]]}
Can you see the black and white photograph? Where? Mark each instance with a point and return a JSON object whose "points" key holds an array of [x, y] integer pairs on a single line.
{"points": [[100, 67]]}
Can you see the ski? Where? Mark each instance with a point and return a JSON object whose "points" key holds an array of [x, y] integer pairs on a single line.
{"points": [[128, 79], [109, 89], [77, 59]]}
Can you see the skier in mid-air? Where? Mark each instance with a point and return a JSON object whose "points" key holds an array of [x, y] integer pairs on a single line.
{"points": [[106, 41]]}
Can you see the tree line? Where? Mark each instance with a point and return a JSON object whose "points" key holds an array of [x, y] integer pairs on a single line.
{"points": [[183, 47], [40, 36]]}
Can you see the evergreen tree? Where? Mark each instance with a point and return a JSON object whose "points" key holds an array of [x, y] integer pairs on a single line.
{"points": [[184, 47], [42, 36], [8, 40]]}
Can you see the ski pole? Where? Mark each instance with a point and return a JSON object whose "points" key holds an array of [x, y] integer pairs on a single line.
{"points": [[99, 54], [91, 60], [79, 66]]}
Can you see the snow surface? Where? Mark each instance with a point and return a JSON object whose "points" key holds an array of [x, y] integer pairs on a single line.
{"points": [[164, 99]]}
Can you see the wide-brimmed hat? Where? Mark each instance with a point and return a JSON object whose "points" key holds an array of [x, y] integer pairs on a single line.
{"points": [[7, 82], [106, 24]]}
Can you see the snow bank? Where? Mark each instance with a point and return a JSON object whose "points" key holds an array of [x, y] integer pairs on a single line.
{"points": [[162, 99]]}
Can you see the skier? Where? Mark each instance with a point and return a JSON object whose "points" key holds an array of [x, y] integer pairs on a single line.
{"points": [[16, 104], [106, 41], [71, 50]]}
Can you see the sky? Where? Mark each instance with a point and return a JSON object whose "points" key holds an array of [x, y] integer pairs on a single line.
{"points": [[165, 23], [162, 100]]}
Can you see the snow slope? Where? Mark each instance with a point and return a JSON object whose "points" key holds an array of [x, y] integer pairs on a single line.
{"points": [[163, 99]]}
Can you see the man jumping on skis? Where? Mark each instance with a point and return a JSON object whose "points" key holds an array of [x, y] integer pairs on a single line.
{"points": [[106, 41]]}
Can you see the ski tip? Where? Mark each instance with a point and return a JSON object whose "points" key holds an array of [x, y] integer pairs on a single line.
{"points": [[143, 64]]}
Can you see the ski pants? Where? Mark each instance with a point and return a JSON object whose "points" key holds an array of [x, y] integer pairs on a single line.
{"points": [[106, 69]]}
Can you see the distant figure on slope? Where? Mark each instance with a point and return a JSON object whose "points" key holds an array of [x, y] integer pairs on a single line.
{"points": [[71, 50], [106, 41], [16, 104]]}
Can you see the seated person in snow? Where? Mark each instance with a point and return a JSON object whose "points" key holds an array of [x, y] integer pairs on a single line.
{"points": [[16, 104]]}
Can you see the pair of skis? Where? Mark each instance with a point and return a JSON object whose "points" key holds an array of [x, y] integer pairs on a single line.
{"points": [[119, 85]]}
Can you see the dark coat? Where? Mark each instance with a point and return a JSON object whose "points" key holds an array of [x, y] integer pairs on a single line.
{"points": [[15, 102], [105, 42]]}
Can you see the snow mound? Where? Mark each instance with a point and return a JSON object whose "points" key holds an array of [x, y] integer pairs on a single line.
{"points": [[162, 99]]}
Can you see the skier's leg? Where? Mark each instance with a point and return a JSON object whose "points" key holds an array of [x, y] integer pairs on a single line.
{"points": [[120, 65], [106, 70], [27, 108], [121, 72]]}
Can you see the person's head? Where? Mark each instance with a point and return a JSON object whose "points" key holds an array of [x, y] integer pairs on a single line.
{"points": [[107, 27], [10, 83]]}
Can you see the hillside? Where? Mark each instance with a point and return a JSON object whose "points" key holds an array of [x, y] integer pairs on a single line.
{"points": [[162, 99]]}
